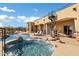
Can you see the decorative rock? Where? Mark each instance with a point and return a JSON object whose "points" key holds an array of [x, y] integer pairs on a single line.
{"points": [[19, 39]]}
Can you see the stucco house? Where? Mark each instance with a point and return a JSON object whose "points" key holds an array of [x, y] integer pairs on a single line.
{"points": [[67, 18]]}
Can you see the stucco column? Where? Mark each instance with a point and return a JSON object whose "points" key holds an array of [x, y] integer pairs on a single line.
{"points": [[46, 28], [39, 28], [76, 21], [29, 28]]}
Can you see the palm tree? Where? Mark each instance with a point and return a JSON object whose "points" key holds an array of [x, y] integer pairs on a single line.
{"points": [[53, 17]]}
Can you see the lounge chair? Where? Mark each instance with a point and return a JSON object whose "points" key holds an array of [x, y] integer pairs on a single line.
{"points": [[39, 33]]}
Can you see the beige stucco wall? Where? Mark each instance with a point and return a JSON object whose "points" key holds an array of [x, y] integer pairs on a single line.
{"points": [[60, 25], [77, 24], [68, 12], [30, 26], [42, 20]]}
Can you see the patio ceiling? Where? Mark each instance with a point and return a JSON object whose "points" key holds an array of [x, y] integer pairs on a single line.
{"points": [[65, 19]]}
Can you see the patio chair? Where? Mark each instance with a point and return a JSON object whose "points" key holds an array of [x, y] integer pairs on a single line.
{"points": [[39, 33]]}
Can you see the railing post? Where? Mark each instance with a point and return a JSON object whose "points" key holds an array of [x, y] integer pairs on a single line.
{"points": [[4, 40], [2, 43]]}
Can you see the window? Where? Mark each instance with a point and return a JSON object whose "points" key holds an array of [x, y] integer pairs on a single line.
{"points": [[75, 9]]}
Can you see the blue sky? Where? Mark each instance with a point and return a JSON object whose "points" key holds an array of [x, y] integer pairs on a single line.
{"points": [[18, 14]]}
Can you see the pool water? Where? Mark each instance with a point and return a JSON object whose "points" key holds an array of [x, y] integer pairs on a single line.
{"points": [[30, 48], [35, 47], [14, 36]]}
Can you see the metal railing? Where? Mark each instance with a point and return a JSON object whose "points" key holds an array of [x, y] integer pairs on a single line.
{"points": [[3, 34]]}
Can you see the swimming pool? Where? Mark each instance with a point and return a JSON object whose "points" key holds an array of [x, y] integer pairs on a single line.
{"points": [[30, 48], [35, 47]]}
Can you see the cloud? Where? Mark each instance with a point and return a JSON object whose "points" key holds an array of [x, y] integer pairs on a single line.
{"points": [[26, 19], [16, 20], [35, 10], [11, 18], [21, 17], [1, 25], [6, 18], [32, 18], [2, 17], [6, 9]]}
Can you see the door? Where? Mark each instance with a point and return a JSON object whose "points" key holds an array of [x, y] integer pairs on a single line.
{"points": [[66, 30]]}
